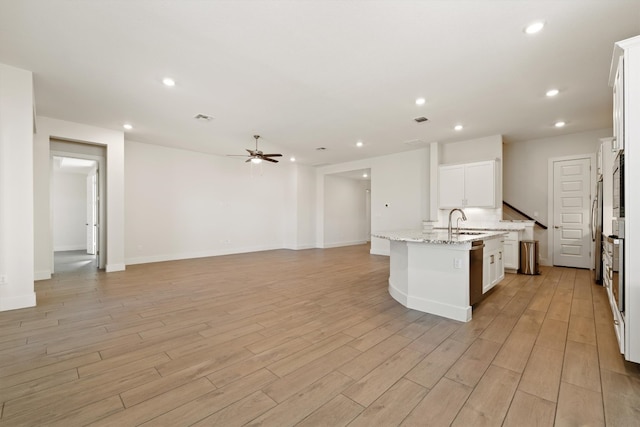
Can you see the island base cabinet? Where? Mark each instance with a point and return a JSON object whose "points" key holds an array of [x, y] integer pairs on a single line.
{"points": [[431, 278], [493, 264]]}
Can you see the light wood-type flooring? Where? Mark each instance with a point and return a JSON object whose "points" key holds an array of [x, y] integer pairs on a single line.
{"points": [[309, 338]]}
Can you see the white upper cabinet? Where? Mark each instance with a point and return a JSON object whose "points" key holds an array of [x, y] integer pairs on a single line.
{"points": [[467, 185], [618, 106], [451, 186]]}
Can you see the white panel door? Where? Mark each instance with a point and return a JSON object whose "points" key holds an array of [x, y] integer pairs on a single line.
{"points": [[571, 208]]}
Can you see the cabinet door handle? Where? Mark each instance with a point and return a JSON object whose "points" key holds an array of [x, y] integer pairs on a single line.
{"points": [[492, 260]]}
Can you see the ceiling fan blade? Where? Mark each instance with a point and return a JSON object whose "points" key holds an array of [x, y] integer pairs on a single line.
{"points": [[272, 155], [253, 153], [248, 160], [236, 155], [269, 160]]}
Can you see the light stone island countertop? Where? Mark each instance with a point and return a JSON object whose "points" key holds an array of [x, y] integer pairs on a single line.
{"points": [[437, 236]]}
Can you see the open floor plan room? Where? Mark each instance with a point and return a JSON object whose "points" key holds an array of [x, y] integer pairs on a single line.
{"points": [[308, 337]]}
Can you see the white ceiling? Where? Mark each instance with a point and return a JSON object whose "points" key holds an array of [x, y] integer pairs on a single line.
{"points": [[308, 74]]}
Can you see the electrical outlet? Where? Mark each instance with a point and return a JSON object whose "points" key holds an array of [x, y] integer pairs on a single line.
{"points": [[457, 263], [3, 279]]}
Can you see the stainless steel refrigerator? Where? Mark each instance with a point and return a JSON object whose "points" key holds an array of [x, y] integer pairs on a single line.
{"points": [[596, 230]]}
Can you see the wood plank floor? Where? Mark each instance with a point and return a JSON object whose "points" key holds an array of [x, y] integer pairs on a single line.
{"points": [[309, 338]]}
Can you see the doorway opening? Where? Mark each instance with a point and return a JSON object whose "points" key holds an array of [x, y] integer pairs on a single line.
{"points": [[75, 213], [347, 208]]}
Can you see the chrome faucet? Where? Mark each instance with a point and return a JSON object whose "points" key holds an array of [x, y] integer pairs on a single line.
{"points": [[464, 218]]}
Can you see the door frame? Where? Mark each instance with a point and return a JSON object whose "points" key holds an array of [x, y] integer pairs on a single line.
{"points": [[102, 202], [551, 198]]}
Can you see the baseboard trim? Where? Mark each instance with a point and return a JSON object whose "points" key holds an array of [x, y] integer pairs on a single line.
{"points": [[299, 247], [341, 244], [110, 268], [204, 254], [42, 275], [17, 302], [383, 253]]}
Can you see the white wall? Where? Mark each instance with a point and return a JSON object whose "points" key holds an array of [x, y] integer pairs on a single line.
{"points": [[472, 150], [183, 204], [48, 128], [399, 193], [526, 175], [344, 210], [16, 189], [305, 205], [69, 194]]}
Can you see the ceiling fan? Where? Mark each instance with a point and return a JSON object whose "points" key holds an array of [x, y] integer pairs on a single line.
{"points": [[257, 156]]}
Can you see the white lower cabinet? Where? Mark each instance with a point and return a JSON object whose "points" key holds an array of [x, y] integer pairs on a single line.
{"points": [[512, 251], [493, 263], [500, 266], [607, 278]]}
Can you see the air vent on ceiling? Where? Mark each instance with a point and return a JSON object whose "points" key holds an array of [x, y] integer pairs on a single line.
{"points": [[420, 119], [415, 142], [203, 117]]}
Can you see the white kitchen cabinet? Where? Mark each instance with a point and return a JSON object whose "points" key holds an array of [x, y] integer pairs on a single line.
{"points": [[499, 275], [451, 186], [512, 251], [625, 80], [607, 185], [467, 185], [618, 105], [493, 263]]}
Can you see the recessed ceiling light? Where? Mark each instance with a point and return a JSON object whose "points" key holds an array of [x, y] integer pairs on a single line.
{"points": [[552, 92], [458, 127], [168, 81], [534, 27], [359, 144], [292, 159], [364, 175], [559, 124], [420, 101], [127, 126]]}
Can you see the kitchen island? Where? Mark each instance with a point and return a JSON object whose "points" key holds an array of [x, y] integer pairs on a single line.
{"points": [[431, 272]]}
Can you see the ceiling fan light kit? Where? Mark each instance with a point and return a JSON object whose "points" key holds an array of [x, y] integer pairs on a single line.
{"points": [[256, 156]]}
